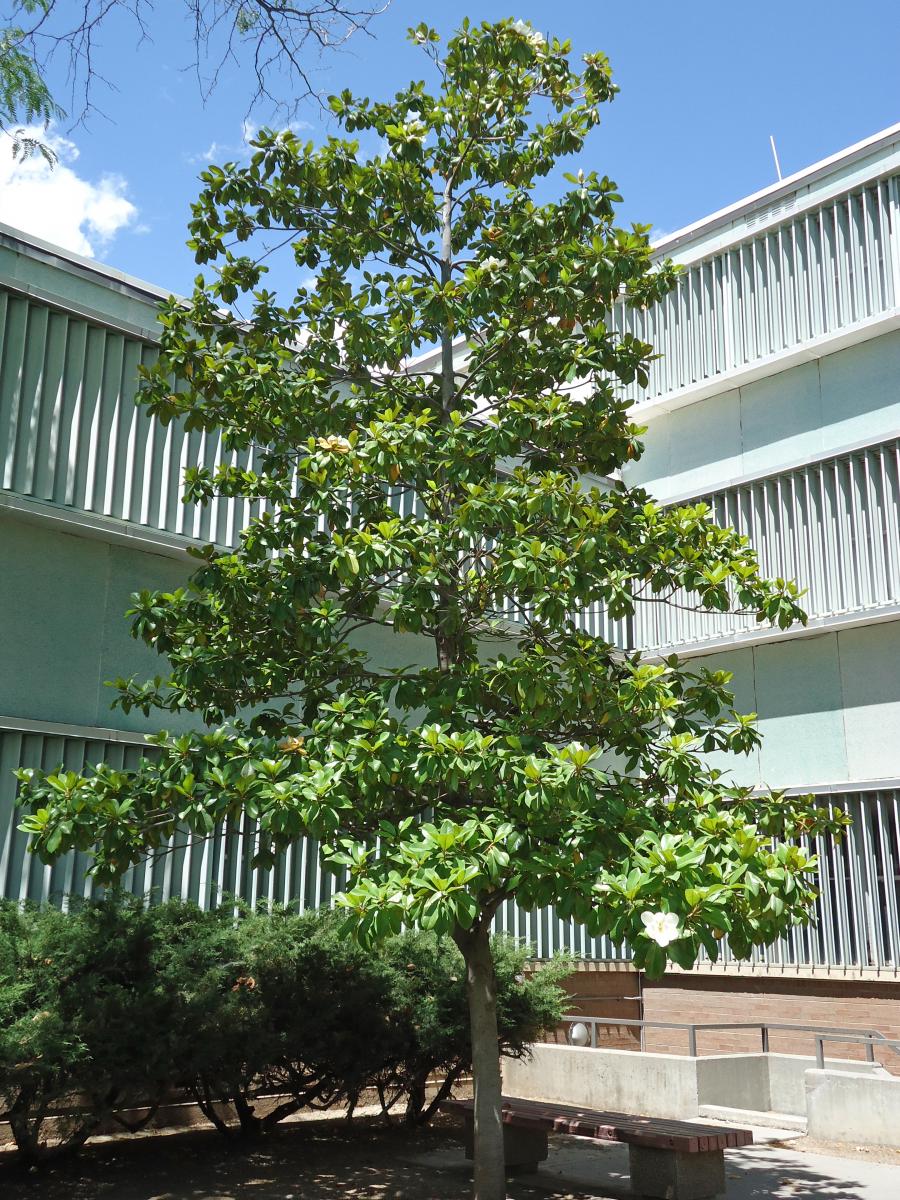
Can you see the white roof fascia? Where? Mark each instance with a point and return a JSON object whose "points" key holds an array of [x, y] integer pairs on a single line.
{"points": [[78, 264], [864, 162]]}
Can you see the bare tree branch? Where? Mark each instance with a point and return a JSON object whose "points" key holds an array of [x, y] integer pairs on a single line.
{"points": [[278, 41]]}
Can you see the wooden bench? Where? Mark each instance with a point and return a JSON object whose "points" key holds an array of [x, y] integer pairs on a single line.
{"points": [[675, 1160]]}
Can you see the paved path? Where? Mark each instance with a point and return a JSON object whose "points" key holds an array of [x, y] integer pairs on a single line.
{"points": [[579, 1170], [761, 1171]]}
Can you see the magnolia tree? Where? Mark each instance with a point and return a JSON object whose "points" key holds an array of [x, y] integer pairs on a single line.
{"points": [[463, 503]]}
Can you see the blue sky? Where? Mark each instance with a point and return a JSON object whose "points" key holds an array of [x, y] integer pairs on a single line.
{"points": [[703, 85]]}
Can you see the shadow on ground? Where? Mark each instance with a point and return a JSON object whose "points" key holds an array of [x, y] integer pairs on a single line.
{"points": [[759, 1171], [334, 1161], [578, 1170]]}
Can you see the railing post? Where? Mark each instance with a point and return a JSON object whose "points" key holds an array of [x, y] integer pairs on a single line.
{"points": [[593, 1035], [820, 1053], [765, 1038], [870, 1048], [692, 1041]]}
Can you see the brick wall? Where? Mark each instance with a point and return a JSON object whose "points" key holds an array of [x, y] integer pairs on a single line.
{"points": [[848, 1003], [605, 990]]}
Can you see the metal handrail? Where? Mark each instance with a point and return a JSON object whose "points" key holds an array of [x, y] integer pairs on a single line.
{"points": [[869, 1040], [822, 1034]]}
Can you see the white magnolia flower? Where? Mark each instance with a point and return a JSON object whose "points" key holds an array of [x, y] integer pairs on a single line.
{"points": [[334, 444], [662, 927], [413, 125], [525, 31], [492, 265]]}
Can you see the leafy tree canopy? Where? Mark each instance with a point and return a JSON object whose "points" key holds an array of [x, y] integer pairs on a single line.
{"points": [[25, 97], [436, 424], [459, 497]]}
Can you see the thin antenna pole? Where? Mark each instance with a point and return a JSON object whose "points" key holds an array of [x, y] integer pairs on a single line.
{"points": [[775, 154]]}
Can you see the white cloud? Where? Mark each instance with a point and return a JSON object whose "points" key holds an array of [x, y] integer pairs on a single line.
{"points": [[58, 204], [215, 151], [220, 152]]}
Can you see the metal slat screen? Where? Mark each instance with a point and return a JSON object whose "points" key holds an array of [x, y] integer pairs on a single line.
{"points": [[202, 870], [72, 435], [834, 526], [817, 273]]}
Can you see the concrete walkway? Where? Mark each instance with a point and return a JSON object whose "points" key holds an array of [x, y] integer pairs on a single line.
{"points": [[761, 1171], [580, 1170]]}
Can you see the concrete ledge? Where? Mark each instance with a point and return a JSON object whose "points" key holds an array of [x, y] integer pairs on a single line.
{"points": [[658, 1085], [765, 1082], [675, 1085], [844, 1106]]}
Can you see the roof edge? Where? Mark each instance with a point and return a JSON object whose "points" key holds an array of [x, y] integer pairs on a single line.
{"points": [[775, 191], [79, 264]]}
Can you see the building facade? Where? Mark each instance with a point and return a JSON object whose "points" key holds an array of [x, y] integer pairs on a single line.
{"points": [[776, 400]]}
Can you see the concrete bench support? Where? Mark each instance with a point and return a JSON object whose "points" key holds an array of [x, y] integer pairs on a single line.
{"points": [[523, 1149], [674, 1175]]}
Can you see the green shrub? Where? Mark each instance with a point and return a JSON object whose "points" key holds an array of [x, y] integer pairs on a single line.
{"points": [[218, 1035], [82, 1021], [115, 1006], [319, 1009], [319, 1019]]}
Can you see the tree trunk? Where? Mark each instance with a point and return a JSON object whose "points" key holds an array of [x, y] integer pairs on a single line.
{"points": [[490, 1174], [481, 988]]}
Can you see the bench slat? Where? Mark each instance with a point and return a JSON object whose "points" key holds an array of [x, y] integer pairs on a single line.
{"points": [[658, 1133]]}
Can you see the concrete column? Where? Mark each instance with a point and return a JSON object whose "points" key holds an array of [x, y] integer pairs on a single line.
{"points": [[673, 1175], [523, 1149]]}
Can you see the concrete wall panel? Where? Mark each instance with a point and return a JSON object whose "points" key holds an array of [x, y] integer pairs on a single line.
{"points": [[659, 1085], [52, 605], [132, 571], [781, 419], [844, 1107], [798, 693], [860, 390], [828, 707], [700, 448], [808, 411], [870, 677], [743, 769], [62, 612]]}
